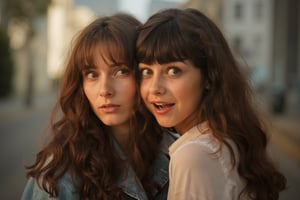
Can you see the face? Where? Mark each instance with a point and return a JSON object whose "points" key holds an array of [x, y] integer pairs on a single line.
{"points": [[111, 92], [172, 93]]}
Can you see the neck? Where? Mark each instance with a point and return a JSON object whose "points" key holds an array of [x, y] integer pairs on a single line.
{"points": [[186, 125], [183, 127], [121, 135]]}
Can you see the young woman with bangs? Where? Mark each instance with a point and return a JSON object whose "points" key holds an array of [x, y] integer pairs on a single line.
{"points": [[192, 82], [105, 145]]}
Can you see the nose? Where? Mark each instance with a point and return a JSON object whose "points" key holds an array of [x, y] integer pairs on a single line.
{"points": [[157, 86], [106, 88]]}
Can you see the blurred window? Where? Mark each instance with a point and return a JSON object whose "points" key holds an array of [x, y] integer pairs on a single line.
{"points": [[258, 44], [238, 10], [237, 43], [258, 10]]}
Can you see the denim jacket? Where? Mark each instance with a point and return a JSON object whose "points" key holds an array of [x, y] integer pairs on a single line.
{"points": [[131, 186]]}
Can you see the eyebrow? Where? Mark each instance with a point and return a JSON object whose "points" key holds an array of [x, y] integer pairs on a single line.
{"points": [[86, 67], [143, 65], [118, 65], [113, 65]]}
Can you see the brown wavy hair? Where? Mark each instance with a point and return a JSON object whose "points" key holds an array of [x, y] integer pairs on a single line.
{"points": [[227, 103], [81, 145]]}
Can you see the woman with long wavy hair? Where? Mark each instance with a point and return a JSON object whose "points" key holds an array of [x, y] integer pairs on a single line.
{"points": [[105, 144], [192, 82]]}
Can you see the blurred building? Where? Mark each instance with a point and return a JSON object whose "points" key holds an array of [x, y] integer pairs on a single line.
{"points": [[59, 24], [212, 8], [248, 28], [64, 19], [285, 76], [33, 53], [264, 34]]}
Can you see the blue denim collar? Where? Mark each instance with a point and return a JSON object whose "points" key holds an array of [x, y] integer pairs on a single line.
{"points": [[131, 184]]}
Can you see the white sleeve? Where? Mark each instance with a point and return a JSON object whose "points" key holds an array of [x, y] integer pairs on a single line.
{"points": [[195, 174]]}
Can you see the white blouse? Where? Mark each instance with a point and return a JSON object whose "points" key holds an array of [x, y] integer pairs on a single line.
{"points": [[197, 172]]}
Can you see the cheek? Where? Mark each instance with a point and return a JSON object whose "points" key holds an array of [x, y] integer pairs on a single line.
{"points": [[143, 91], [189, 90], [196, 96], [129, 90], [91, 92], [86, 91], [132, 93]]}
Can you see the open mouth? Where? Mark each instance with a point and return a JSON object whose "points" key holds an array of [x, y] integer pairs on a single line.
{"points": [[161, 106]]}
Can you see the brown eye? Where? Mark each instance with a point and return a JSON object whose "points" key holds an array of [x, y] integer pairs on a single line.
{"points": [[122, 72], [145, 72], [90, 74], [173, 71]]}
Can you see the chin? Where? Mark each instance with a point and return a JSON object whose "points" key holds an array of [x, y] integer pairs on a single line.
{"points": [[165, 124]]}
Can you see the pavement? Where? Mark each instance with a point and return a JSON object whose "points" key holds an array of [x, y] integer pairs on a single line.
{"points": [[286, 134], [13, 107]]}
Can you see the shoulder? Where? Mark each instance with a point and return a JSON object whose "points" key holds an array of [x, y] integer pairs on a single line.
{"points": [[198, 154], [194, 166], [33, 191]]}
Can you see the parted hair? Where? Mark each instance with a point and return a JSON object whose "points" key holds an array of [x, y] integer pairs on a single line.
{"points": [[227, 103], [81, 145]]}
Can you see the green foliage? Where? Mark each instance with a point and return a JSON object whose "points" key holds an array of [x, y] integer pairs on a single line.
{"points": [[6, 65]]}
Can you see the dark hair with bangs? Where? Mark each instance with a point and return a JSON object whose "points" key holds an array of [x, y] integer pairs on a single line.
{"points": [[81, 145], [176, 35], [111, 45], [163, 40], [157, 46]]}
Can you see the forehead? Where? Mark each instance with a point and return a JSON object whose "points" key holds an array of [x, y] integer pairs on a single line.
{"points": [[100, 54]]}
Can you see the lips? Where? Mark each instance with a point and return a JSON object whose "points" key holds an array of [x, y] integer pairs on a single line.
{"points": [[162, 107], [109, 108]]}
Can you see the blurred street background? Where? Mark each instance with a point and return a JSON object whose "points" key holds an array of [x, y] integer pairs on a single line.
{"points": [[35, 37]]}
